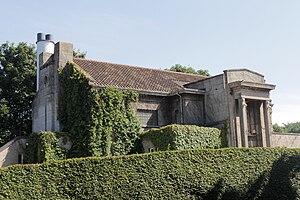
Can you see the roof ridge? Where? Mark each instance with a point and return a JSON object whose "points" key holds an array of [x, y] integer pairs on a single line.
{"points": [[140, 67]]}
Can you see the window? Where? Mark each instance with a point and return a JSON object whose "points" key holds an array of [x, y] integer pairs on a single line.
{"points": [[147, 117]]}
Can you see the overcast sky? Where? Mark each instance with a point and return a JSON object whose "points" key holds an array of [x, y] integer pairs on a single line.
{"points": [[263, 36]]}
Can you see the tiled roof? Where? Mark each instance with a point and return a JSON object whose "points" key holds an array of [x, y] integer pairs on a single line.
{"points": [[138, 78]]}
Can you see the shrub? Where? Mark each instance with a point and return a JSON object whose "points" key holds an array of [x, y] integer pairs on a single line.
{"points": [[257, 173], [176, 136]]}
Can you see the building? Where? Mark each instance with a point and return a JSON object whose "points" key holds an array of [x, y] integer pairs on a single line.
{"points": [[238, 97]]}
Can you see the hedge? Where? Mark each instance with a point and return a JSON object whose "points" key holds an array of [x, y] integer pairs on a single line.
{"points": [[257, 173], [177, 136]]}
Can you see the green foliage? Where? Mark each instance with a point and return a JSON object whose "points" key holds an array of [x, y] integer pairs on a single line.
{"points": [[78, 54], [279, 129], [78, 108], [17, 89], [292, 127], [44, 146], [119, 118], [189, 70], [203, 72], [237, 173], [224, 135], [99, 121], [176, 136]]}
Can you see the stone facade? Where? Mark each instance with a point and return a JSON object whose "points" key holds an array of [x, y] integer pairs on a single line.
{"points": [[45, 105], [182, 108], [238, 97]]}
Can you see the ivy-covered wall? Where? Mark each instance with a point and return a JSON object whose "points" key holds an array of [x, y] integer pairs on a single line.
{"points": [[237, 173], [45, 146], [99, 121], [177, 136]]}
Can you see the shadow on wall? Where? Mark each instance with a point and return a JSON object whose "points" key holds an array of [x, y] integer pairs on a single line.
{"points": [[281, 183], [13, 152]]}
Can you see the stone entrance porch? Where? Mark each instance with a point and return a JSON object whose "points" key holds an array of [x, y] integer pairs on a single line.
{"points": [[250, 117]]}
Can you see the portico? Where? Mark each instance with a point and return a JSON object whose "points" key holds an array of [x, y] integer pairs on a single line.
{"points": [[251, 117]]}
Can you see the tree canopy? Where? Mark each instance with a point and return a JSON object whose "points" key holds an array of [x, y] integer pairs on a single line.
{"points": [[292, 127], [17, 89], [79, 54], [189, 70]]}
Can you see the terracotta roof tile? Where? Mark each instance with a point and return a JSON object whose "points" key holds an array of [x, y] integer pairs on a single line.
{"points": [[132, 77]]}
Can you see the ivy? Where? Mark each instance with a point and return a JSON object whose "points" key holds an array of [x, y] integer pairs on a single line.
{"points": [[100, 121], [176, 136], [224, 134], [45, 146]]}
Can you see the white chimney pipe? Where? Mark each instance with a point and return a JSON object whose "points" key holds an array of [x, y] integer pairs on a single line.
{"points": [[44, 44]]}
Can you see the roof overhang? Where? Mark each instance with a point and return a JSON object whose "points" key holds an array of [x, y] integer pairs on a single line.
{"points": [[251, 85]]}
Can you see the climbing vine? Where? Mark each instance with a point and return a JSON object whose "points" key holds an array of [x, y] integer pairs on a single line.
{"points": [[44, 146], [99, 121]]}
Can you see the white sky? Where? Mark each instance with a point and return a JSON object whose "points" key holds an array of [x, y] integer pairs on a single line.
{"points": [[263, 36]]}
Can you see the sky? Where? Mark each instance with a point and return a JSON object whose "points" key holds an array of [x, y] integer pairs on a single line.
{"points": [[263, 36]]}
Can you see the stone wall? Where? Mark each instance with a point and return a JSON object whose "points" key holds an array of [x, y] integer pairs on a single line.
{"points": [[42, 104], [243, 75], [193, 109], [168, 108], [159, 104], [45, 104], [291, 140], [13, 152], [215, 100]]}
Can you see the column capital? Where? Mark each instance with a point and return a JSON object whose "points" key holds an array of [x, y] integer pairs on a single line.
{"points": [[244, 104], [269, 105]]}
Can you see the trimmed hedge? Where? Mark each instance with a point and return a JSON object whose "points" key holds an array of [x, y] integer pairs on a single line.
{"points": [[257, 173], [177, 136]]}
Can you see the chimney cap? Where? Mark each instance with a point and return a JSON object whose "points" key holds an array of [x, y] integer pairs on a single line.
{"points": [[40, 37], [49, 37]]}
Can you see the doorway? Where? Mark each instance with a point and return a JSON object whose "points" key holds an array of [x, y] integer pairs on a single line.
{"points": [[254, 123]]}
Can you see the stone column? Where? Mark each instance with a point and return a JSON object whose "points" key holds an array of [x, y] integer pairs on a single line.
{"points": [[244, 123], [238, 131], [268, 123], [263, 124]]}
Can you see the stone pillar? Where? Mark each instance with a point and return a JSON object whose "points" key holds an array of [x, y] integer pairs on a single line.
{"points": [[268, 123], [244, 123], [238, 131], [263, 124]]}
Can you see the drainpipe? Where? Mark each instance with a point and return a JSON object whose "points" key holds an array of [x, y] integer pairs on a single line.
{"points": [[181, 107]]}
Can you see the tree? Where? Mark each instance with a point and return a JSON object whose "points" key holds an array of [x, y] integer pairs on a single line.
{"points": [[279, 129], [291, 127], [78, 54], [189, 70], [17, 89], [203, 72]]}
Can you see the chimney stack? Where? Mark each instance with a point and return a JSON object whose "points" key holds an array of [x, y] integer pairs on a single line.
{"points": [[44, 44]]}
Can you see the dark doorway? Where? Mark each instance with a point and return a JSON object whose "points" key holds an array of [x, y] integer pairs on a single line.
{"points": [[254, 124]]}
